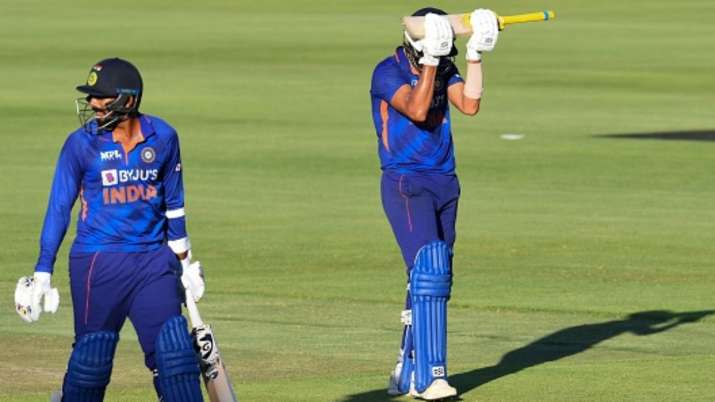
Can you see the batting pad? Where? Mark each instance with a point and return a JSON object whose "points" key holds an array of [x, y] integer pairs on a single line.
{"points": [[90, 367], [176, 363], [408, 362], [430, 287]]}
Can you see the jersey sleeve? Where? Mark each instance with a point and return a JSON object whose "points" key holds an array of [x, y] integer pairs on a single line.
{"points": [[455, 78], [173, 183], [386, 80], [63, 194]]}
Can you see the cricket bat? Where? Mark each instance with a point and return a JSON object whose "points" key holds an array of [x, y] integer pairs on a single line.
{"points": [[213, 371], [461, 25]]}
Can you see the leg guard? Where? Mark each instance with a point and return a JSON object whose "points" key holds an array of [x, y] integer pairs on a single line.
{"points": [[176, 363], [430, 287], [403, 377], [90, 367]]}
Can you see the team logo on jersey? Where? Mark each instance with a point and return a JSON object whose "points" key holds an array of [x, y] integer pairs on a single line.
{"points": [[92, 79], [148, 155], [109, 177], [110, 155]]}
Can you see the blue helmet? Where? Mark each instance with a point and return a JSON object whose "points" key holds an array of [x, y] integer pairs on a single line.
{"points": [[111, 78]]}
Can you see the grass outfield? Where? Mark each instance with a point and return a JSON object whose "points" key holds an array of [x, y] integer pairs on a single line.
{"points": [[584, 263]]}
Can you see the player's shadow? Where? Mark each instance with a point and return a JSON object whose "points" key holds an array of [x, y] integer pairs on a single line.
{"points": [[695, 135], [558, 345]]}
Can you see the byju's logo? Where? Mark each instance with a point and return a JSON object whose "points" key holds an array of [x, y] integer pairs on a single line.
{"points": [[109, 177], [110, 155]]}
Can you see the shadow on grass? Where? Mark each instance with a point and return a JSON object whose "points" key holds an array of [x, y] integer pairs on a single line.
{"points": [[558, 345], [696, 135]]}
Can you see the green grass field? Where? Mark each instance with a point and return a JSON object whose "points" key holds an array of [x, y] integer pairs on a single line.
{"points": [[584, 263]]}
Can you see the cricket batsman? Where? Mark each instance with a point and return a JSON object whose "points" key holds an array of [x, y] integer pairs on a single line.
{"points": [[411, 92], [132, 253]]}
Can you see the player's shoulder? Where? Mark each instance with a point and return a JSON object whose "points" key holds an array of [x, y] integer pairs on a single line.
{"points": [[161, 127], [390, 63], [78, 138]]}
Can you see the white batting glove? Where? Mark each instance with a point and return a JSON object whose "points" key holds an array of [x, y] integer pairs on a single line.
{"points": [[438, 39], [31, 291], [485, 32], [192, 277]]}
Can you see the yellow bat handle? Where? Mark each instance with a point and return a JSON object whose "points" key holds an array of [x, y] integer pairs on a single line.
{"points": [[531, 17]]}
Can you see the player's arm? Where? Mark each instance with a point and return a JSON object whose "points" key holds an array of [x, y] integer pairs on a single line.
{"points": [[177, 237], [173, 182], [467, 96], [32, 291], [415, 102], [63, 194]]}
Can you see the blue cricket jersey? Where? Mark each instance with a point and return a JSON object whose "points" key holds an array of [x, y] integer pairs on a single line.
{"points": [[403, 145], [131, 200]]}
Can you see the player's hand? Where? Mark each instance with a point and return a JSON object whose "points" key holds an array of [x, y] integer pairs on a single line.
{"points": [[485, 32], [438, 39], [29, 295], [193, 277]]}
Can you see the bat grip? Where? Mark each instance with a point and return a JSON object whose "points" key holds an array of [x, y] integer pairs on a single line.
{"points": [[193, 310], [530, 17]]}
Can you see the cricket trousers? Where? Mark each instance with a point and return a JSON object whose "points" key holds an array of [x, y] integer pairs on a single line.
{"points": [[107, 288], [421, 209]]}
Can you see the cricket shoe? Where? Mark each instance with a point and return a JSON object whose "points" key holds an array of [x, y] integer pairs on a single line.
{"points": [[439, 389]]}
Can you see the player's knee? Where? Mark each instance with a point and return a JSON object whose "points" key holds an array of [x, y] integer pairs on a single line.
{"points": [[176, 362], [431, 274], [90, 367]]}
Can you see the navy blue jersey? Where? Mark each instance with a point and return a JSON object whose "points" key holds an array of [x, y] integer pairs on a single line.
{"points": [[403, 145], [132, 200]]}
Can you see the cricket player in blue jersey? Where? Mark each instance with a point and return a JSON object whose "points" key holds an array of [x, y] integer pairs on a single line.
{"points": [[131, 256], [411, 92]]}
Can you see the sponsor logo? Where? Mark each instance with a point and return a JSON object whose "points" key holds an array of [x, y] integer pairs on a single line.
{"points": [[138, 175], [92, 79], [148, 155], [109, 177], [116, 176], [438, 371], [128, 194], [110, 155]]}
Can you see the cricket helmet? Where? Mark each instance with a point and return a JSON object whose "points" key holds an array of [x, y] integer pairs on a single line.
{"points": [[413, 48], [111, 78]]}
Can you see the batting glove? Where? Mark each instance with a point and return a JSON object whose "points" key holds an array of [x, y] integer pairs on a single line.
{"points": [[485, 32], [192, 278], [29, 295], [438, 39]]}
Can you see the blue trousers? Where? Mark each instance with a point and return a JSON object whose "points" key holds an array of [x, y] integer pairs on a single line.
{"points": [[108, 288], [421, 209]]}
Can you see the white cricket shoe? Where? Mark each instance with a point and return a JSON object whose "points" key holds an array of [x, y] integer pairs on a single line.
{"points": [[439, 389]]}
